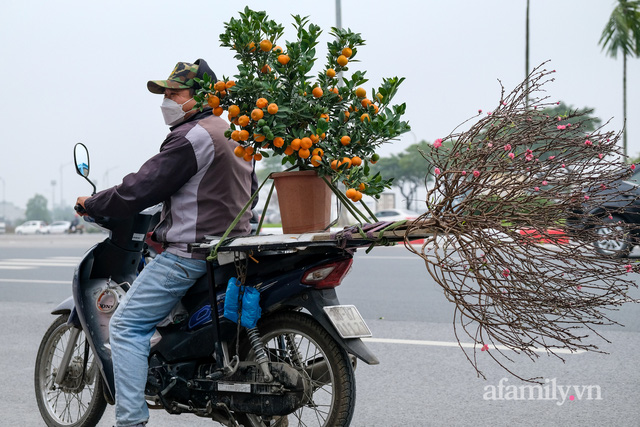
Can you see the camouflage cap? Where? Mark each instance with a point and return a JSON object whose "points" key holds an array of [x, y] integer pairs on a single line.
{"points": [[180, 78]]}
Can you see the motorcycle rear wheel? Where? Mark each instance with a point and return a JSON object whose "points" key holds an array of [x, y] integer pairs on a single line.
{"points": [[77, 402], [323, 361]]}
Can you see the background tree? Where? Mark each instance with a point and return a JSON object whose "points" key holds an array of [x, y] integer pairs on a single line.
{"points": [[408, 169], [267, 166], [622, 34], [37, 209]]}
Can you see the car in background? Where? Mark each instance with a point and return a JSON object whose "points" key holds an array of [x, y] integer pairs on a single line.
{"points": [[396, 215], [58, 227], [619, 231], [32, 227]]}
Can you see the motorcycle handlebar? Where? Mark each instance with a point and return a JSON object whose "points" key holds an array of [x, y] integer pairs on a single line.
{"points": [[82, 211]]}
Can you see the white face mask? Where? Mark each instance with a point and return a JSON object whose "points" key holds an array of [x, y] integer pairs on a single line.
{"points": [[172, 111]]}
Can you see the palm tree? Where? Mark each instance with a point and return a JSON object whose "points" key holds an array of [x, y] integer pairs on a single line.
{"points": [[526, 57], [622, 33]]}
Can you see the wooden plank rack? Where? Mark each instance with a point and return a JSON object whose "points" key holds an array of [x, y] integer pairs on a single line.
{"points": [[361, 235]]}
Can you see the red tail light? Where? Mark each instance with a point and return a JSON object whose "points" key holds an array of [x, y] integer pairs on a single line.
{"points": [[327, 275]]}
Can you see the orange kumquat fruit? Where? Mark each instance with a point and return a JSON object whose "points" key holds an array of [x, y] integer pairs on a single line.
{"points": [[239, 151], [284, 59], [213, 101], [304, 153], [265, 45], [272, 108], [234, 110], [244, 135], [243, 120], [257, 114]]}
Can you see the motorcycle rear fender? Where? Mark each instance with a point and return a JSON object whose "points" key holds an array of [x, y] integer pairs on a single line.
{"points": [[314, 301]]}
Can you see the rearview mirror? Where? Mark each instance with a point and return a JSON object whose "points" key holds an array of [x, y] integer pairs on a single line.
{"points": [[81, 160]]}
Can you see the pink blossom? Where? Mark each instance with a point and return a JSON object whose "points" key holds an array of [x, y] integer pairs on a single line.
{"points": [[476, 173], [568, 124], [485, 347], [436, 171], [464, 173], [629, 268], [558, 103], [489, 145], [552, 157], [536, 188], [504, 103], [511, 155], [599, 155], [588, 142], [437, 143], [489, 113], [506, 272], [610, 217], [603, 187], [559, 118], [544, 183], [507, 147], [579, 287], [529, 155], [633, 167], [561, 127], [563, 165], [586, 197], [479, 111]]}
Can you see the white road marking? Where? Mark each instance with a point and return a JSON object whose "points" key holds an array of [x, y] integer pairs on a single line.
{"points": [[455, 344], [27, 263], [49, 282]]}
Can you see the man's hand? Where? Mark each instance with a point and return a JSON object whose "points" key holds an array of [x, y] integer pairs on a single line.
{"points": [[80, 202]]}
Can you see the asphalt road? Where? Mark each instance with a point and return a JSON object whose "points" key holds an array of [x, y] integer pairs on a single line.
{"points": [[423, 379]]}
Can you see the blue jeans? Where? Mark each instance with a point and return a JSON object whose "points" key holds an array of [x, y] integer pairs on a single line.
{"points": [[153, 294]]}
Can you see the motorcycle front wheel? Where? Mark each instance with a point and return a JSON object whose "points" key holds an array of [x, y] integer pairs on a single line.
{"points": [[300, 341], [79, 400]]}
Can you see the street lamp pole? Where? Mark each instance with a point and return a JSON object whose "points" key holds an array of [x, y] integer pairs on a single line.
{"points": [[53, 198], [61, 175], [4, 203]]}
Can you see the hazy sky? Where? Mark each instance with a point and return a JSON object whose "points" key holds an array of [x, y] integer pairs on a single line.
{"points": [[76, 71]]}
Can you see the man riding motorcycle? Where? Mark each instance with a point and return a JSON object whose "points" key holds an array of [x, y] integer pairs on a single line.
{"points": [[202, 186]]}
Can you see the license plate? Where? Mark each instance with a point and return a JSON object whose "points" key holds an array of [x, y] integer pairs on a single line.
{"points": [[348, 321]]}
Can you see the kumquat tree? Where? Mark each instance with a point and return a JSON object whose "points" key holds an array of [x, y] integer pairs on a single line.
{"points": [[516, 181], [329, 123]]}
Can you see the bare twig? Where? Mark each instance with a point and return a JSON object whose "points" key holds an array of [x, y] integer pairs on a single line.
{"points": [[515, 179]]}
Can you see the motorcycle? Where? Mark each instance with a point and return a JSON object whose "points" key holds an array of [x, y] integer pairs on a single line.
{"points": [[260, 340]]}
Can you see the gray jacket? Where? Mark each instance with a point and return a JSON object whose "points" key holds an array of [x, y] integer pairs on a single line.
{"points": [[202, 184]]}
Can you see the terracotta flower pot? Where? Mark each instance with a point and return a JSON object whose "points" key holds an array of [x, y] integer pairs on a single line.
{"points": [[305, 201]]}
